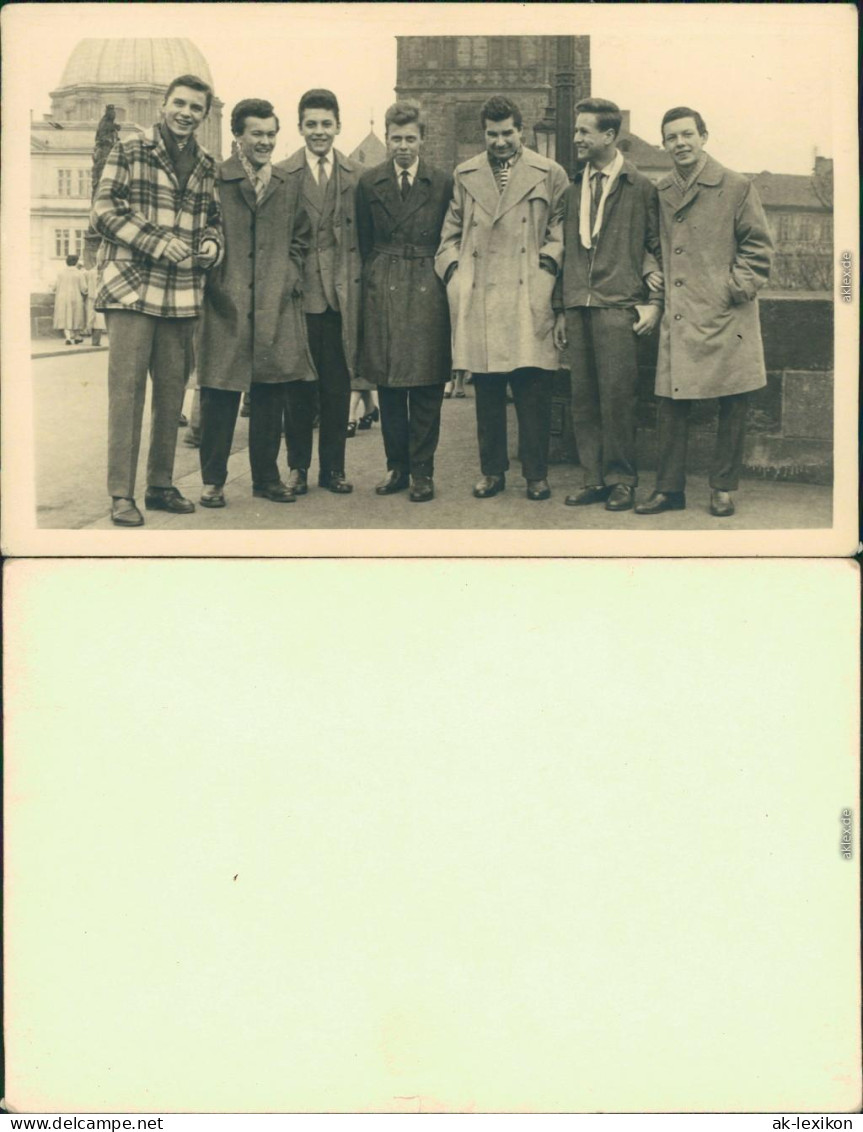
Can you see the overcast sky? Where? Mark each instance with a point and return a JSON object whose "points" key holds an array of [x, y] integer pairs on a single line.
{"points": [[760, 74]]}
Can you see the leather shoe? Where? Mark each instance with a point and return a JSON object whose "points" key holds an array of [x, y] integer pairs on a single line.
{"points": [[622, 498], [335, 482], [662, 501], [167, 499], [592, 493], [351, 430], [721, 504], [275, 491], [538, 489], [213, 495], [422, 489], [489, 486], [124, 513], [393, 482], [298, 481], [184, 421]]}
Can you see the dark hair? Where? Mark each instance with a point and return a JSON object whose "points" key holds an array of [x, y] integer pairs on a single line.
{"points": [[682, 112], [319, 99], [607, 114], [402, 113], [193, 83], [250, 108], [71, 260], [498, 108]]}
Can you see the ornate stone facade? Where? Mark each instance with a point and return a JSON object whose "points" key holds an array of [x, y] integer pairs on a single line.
{"points": [[452, 76]]}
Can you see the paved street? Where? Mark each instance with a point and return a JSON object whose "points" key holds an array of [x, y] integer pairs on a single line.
{"points": [[71, 440]]}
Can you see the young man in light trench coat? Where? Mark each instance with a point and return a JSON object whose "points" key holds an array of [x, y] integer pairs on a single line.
{"points": [[500, 251], [716, 254]]}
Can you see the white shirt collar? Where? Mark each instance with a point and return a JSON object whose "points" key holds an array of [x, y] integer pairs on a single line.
{"points": [[313, 161], [411, 171]]}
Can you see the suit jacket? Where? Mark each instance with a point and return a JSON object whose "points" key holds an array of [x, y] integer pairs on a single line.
{"points": [[347, 264], [406, 329]]}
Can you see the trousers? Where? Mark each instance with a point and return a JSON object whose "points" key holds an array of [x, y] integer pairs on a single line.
{"points": [[673, 435], [410, 424], [604, 374], [531, 392], [138, 344], [330, 395], [219, 409]]}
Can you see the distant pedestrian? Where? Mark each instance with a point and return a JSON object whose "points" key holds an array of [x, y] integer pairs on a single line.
{"points": [[716, 254], [70, 290], [501, 249]]}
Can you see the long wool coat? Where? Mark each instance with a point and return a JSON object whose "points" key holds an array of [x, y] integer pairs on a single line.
{"points": [[500, 297], [137, 208], [348, 264], [71, 287], [716, 253], [406, 330], [253, 327]]}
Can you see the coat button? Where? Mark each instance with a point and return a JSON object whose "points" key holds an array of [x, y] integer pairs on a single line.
{"points": [[523, 250], [473, 223], [678, 282], [678, 317], [524, 220], [679, 219], [677, 251], [520, 282]]}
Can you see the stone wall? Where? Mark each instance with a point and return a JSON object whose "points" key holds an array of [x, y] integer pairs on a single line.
{"points": [[790, 423]]}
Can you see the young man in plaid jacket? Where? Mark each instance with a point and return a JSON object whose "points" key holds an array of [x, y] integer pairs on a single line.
{"points": [[157, 211]]}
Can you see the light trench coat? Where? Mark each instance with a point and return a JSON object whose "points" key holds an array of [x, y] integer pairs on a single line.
{"points": [[500, 298], [716, 254]]}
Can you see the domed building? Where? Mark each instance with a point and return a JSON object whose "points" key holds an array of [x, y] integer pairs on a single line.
{"points": [[130, 74]]}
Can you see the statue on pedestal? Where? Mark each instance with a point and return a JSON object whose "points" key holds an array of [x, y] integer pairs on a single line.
{"points": [[107, 134]]}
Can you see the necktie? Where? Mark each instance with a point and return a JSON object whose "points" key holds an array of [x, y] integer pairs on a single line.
{"points": [[595, 198], [259, 187], [323, 179], [406, 184], [503, 174]]}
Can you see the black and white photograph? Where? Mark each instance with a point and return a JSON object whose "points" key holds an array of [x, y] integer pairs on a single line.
{"points": [[577, 274]]}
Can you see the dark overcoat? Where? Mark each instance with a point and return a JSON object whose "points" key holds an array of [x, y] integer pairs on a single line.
{"points": [[716, 254], [406, 329], [253, 327], [348, 265]]}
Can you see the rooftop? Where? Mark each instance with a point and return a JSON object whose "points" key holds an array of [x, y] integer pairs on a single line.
{"points": [[149, 61]]}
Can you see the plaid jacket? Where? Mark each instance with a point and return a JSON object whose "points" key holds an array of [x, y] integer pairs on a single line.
{"points": [[137, 209]]}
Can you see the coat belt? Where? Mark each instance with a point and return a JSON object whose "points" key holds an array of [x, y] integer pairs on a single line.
{"points": [[408, 251]]}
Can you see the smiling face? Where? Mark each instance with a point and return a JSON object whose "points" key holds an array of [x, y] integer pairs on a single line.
{"points": [[319, 129], [591, 143], [404, 144], [502, 139], [258, 140], [184, 110], [683, 142]]}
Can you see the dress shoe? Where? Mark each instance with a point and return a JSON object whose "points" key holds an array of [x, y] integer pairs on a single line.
{"points": [[124, 513], [351, 430], [298, 481], [721, 504], [538, 489], [365, 422], [592, 493], [275, 491], [662, 501], [335, 482], [213, 495], [184, 420], [489, 486], [422, 489], [192, 439], [245, 408], [622, 498], [167, 499], [393, 482]]}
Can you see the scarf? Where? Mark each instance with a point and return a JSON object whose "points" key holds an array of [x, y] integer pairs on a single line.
{"points": [[684, 184], [260, 178], [611, 172], [184, 159]]}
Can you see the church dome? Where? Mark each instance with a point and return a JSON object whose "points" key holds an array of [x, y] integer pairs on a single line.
{"points": [[151, 62]]}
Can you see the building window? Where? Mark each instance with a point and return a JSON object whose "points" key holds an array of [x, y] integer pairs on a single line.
{"points": [[64, 182], [68, 241], [83, 182]]}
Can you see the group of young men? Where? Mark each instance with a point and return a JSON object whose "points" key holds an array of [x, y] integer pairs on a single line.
{"points": [[292, 280]]}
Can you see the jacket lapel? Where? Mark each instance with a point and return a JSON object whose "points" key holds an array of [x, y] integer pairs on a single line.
{"points": [[276, 178], [232, 171], [418, 195], [386, 190], [478, 179], [523, 177]]}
